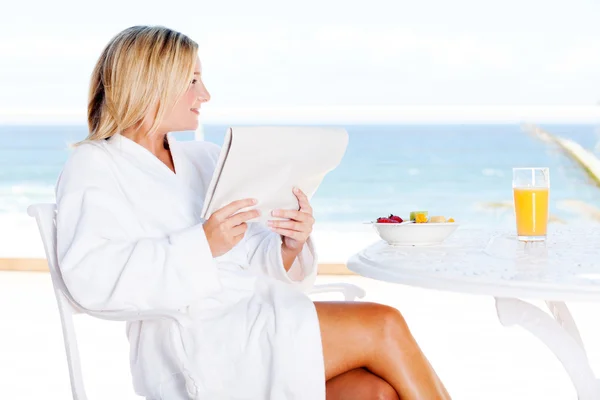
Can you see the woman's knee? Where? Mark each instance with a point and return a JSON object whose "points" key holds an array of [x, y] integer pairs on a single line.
{"points": [[359, 384], [389, 322], [381, 390]]}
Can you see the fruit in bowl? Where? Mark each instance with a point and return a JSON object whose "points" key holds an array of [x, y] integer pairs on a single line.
{"points": [[392, 219], [421, 214], [419, 230]]}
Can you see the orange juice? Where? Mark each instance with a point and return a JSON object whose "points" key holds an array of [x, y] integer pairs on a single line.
{"points": [[531, 207]]}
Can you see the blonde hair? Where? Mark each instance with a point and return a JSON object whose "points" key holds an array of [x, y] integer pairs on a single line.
{"points": [[140, 68]]}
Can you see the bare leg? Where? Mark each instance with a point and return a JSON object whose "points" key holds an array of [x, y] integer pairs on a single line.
{"points": [[359, 384], [376, 337]]}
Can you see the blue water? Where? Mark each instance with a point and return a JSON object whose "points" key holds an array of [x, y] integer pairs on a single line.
{"points": [[451, 170]]}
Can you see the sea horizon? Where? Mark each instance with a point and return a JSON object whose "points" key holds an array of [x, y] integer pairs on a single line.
{"points": [[462, 171]]}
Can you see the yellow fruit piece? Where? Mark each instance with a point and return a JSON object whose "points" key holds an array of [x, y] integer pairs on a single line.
{"points": [[420, 218], [413, 214], [437, 219], [450, 220]]}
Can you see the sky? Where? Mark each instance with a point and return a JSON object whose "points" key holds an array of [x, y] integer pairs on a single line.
{"points": [[376, 60]]}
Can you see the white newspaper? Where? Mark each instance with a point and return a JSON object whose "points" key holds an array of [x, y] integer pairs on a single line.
{"points": [[266, 162]]}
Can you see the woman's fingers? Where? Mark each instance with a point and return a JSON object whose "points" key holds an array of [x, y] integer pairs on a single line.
{"points": [[291, 225], [239, 218], [303, 201], [296, 215], [299, 236], [238, 231], [233, 207]]}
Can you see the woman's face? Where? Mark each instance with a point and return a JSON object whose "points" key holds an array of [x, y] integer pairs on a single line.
{"points": [[184, 116]]}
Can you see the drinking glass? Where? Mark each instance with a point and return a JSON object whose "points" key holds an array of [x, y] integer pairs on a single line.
{"points": [[531, 190]]}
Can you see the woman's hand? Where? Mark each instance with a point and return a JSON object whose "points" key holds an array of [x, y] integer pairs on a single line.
{"points": [[296, 231], [224, 230]]}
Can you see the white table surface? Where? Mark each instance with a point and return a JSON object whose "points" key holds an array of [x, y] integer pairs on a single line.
{"points": [[492, 262], [566, 267]]}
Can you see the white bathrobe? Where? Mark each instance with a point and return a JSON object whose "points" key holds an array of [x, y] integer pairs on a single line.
{"points": [[130, 239]]}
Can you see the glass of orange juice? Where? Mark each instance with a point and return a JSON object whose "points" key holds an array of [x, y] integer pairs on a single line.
{"points": [[531, 188]]}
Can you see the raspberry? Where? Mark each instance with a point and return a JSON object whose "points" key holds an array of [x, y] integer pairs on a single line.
{"points": [[395, 218], [385, 220]]}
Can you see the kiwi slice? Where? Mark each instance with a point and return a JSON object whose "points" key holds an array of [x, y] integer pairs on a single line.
{"points": [[413, 214]]}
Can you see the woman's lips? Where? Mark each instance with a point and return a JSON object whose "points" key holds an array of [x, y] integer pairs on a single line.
{"points": [[195, 111]]}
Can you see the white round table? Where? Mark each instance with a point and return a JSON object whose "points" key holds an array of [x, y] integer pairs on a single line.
{"points": [[564, 268]]}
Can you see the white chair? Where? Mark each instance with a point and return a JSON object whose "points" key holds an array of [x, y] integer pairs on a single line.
{"points": [[45, 215]]}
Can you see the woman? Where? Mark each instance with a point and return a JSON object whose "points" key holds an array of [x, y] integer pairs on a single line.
{"points": [[130, 239]]}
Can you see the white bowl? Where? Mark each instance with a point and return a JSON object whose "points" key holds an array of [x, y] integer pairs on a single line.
{"points": [[407, 234]]}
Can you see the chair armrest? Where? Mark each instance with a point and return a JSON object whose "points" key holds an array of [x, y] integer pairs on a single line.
{"points": [[124, 316], [136, 315], [350, 291]]}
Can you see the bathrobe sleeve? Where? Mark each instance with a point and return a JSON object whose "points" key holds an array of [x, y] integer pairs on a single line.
{"points": [[263, 247], [106, 262]]}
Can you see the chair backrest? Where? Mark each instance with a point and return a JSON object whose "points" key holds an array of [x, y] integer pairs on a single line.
{"points": [[45, 216]]}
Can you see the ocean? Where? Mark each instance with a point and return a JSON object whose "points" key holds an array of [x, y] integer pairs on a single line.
{"points": [[463, 171]]}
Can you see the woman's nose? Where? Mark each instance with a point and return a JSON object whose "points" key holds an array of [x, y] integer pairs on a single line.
{"points": [[204, 95]]}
